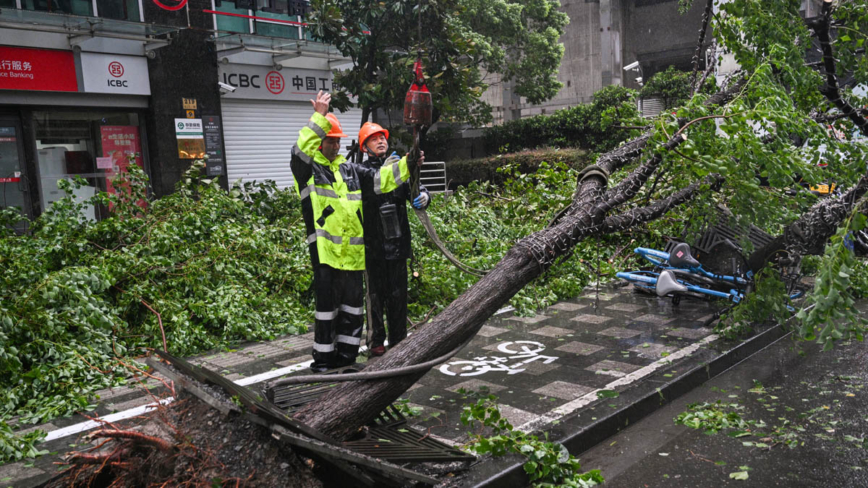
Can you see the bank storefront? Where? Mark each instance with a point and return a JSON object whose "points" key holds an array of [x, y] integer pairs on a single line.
{"points": [[69, 107]]}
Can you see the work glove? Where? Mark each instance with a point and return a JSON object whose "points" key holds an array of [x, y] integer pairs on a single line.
{"points": [[421, 201]]}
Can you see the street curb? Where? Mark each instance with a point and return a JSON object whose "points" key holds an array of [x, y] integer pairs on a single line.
{"points": [[578, 436]]}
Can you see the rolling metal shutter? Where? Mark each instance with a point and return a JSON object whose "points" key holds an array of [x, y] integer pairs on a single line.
{"points": [[259, 136]]}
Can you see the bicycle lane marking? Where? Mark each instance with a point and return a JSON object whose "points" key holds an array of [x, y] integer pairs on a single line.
{"points": [[485, 364], [562, 411]]}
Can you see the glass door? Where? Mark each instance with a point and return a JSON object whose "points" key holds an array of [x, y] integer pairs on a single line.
{"points": [[12, 178]]}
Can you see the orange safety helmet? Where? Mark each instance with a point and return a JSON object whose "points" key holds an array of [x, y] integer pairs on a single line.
{"points": [[336, 127], [368, 129]]}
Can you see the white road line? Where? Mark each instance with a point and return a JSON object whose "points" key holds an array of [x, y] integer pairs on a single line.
{"points": [[273, 374], [570, 407], [90, 424]]}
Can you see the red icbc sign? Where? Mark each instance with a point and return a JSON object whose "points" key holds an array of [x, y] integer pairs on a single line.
{"points": [[37, 69]]}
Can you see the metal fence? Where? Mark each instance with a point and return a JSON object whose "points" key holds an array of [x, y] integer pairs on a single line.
{"points": [[433, 176]]}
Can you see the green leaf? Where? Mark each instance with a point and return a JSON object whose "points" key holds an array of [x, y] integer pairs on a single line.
{"points": [[738, 475]]}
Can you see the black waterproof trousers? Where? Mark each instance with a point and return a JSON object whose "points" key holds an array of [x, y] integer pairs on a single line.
{"points": [[339, 318], [387, 286]]}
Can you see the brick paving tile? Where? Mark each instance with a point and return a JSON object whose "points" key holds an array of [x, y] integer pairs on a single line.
{"points": [[568, 306], [654, 319], [489, 331], [516, 416], [603, 296], [690, 333], [579, 348], [228, 360], [613, 368], [563, 390], [591, 319], [653, 350], [10, 473], [475, 385], [536, 368], [625, 307], [294, 343], [550, 331], [529, 320], [619, 332], [296, 360]]}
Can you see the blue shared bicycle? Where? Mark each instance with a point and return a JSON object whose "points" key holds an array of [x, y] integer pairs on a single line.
{"points": [[677, 274]]}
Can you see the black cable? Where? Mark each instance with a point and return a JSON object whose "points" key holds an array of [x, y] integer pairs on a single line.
{"points": [[369, 375]]}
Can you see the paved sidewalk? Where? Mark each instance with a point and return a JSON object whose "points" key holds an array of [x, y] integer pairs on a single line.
{"points": [[546, 367], [542, 368]]}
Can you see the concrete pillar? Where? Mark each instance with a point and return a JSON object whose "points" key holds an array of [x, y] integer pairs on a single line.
{"points": [[610, 42], [511, 102]]}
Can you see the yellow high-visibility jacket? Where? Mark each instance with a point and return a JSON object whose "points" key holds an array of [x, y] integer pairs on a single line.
{"points": [[331, 197]]}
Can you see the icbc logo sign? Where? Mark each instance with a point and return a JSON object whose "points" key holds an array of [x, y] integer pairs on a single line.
{"points": [[171, 4], [116, 69], [274, 82]]}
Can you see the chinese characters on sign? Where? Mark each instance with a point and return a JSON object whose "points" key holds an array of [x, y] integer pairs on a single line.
{"points": [[263, 83], [120, 143], [37, 69], [213, 145], [191, 139], [19, 69]]}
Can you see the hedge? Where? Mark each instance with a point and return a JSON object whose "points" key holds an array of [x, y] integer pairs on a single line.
{"points": [[462, 171], [588, 126]]}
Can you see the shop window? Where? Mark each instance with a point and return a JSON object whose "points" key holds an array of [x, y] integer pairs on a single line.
{"points": [[8, 4], [12, 179], [92, 145], [229, 23], [119, 9], [74, 7], [278, 29]]}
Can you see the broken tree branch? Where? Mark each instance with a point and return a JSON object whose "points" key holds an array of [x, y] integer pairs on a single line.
{"points": [[706, 18], [831, 90]]}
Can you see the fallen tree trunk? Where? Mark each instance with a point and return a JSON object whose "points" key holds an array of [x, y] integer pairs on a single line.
{"points": [[348, 407]]}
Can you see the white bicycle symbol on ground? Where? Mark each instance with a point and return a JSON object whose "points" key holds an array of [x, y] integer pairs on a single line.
{"points": [[528, 352]]}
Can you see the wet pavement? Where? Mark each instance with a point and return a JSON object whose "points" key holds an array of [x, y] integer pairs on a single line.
{"points": [[544, 369], [807, 415]]}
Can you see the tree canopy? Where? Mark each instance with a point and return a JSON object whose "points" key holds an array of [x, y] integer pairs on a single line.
{"points": [[461, 41], [747, 148]]}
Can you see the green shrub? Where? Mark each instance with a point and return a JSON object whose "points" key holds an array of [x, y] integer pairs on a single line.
{"points": [[588, 126], [462, 171]]}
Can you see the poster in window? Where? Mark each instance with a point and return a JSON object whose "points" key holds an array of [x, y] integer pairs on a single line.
{"points": [[120, 143]]}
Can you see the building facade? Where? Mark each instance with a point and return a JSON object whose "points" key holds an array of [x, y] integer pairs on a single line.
{"points": [[605, 36], [88, 87]]}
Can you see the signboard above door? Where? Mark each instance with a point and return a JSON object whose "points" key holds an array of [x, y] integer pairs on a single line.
{"points": [[115, 74], [37, 70], [265, 83]]}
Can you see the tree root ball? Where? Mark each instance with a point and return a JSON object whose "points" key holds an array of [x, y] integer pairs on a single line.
{"points": [[186, 443]]}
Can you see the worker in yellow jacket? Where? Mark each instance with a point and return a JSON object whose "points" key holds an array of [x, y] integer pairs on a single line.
{"points": [[331, 190]]}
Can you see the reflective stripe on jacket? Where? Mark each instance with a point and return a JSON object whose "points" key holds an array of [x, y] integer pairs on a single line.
{"points": [[332, 197]]}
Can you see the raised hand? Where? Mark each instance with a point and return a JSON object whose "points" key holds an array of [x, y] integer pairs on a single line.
{"points": [[321, 104]]}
